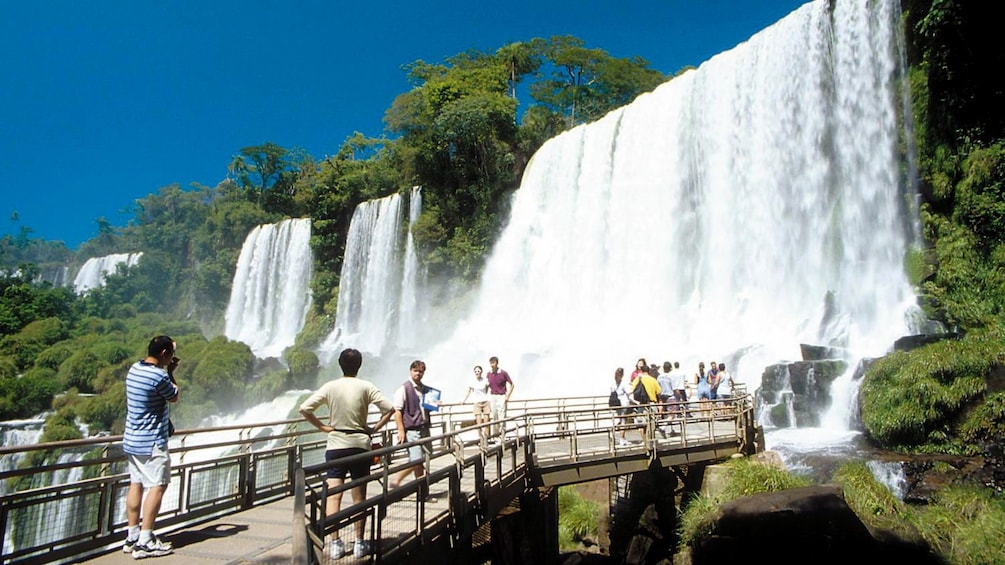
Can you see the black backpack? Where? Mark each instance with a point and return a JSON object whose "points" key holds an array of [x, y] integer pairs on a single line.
{"points": [[614, 401], [639, 394]]}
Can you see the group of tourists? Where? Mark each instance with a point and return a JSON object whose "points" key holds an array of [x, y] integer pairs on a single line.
{"points": [[151, 388], [349, 399], [670, 390]]}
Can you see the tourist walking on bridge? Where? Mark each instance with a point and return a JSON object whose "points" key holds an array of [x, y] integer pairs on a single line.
{"points": [[150, 388], [412, 418], [500, 388], [620, 391], [348, 400], [478, 391]]}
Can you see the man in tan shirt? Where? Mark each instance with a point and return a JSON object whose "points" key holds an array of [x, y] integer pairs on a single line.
{"points": [[348, 400]]}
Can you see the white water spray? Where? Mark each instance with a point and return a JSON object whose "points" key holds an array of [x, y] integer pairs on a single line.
{"points": [[711, 217]]}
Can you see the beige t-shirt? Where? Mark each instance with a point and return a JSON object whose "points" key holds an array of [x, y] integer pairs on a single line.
{"points": [[348, 400]]}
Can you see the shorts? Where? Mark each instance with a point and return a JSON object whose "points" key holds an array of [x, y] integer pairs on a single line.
{"points": [[704, 392], [150, 470], [415, 452], [482, 408], [356, 470]]}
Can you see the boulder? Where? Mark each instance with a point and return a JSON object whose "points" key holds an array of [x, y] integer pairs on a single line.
{"points": [[811, 524], [909, 342]]}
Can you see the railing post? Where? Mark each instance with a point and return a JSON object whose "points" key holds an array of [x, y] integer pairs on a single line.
{"points": [[301, 553]]}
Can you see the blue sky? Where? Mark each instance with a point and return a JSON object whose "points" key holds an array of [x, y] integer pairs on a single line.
{"points": [[104, 102]]}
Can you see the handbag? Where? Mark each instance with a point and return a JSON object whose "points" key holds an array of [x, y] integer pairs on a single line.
{"points": [[614, 401]]}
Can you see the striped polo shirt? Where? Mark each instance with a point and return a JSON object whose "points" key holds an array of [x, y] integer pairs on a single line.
{"points": [[148, 390]]}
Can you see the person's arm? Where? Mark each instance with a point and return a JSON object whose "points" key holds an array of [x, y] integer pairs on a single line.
{"points": [[170, 371], [384, 418], [509, 388], [466, 395], [399, 421], [317, 423]]}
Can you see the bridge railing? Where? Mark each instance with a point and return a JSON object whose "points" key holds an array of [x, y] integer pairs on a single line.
{"points": [[471, 476], [60, 501]]}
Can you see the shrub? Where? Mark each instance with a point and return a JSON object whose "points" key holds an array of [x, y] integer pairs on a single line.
{"points": [[918, 398], [577, 517]]}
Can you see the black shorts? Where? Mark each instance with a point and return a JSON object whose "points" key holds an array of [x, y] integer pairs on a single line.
{"points": [[357, 470]]}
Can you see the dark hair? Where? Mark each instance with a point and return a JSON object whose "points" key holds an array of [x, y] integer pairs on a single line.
{"points": [[667, 366], [493, 359], [350, 360], [416, 364], [644, 364], [159, 344], [479, 367], [619, 371], [676, 364], [722, 366]]}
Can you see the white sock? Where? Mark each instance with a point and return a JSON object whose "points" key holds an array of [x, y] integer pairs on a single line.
{"points": [[145, 536], [133, 533]]}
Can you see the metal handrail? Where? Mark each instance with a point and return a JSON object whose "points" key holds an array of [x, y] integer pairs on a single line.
{"points": [[468, 491], [260, 475]]}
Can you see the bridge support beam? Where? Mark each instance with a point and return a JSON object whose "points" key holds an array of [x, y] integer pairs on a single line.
{"points": [[650, 496], [528, 534]]}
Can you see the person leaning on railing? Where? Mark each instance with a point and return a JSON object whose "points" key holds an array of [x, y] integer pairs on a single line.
{"points": [[348, 400]]}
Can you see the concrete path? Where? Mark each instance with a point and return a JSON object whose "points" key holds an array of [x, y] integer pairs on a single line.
{"points": [[258, 535]]}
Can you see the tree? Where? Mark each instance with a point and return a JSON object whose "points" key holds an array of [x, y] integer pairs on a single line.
{"points": [[584, 83]]}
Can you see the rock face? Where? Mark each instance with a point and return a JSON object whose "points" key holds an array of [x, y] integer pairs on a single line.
{"points": [[811, 524], [910, 342], [796, 394]]}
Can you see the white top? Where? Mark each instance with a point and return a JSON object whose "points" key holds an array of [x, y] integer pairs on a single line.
{"points": [[479, 390], [678, 379], [724, 384]]}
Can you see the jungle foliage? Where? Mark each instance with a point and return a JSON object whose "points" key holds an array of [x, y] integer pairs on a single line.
{"points": [[937, 398]]}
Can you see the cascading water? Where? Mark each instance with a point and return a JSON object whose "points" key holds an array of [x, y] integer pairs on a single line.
{"points": [[92, 273], [413, 305], [379, 303], [271, 291], [718, 216]]}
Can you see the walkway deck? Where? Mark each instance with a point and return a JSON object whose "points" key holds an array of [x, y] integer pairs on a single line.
{"points": [[259, 535]]}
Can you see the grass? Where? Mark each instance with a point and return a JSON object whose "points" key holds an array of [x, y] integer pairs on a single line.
{"points": [[577, 518]]}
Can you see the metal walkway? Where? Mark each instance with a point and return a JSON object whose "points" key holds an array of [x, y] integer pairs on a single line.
{"points": [[230, 500]]}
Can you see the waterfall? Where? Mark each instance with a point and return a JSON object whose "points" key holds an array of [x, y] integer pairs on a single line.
{"points": [[92, 273], [271, 291], [720, 215], [14, 433], [413, 304], [379, 286], [280, 408]]}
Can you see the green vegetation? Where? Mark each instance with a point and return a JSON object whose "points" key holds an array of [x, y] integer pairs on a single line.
{"points": [[924, 400], [577, 518], [964, 525], [743, 478], [936, 399]]}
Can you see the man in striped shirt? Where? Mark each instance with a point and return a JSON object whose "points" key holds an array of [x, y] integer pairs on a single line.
{"points": [[150, 387]]}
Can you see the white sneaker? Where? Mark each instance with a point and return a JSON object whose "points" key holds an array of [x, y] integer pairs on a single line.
{"points": [[361, 549], [153, 548], [624, 442], [338, 549]]}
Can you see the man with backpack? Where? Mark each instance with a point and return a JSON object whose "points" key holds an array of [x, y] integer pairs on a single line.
{"points": [[645, 390]]}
